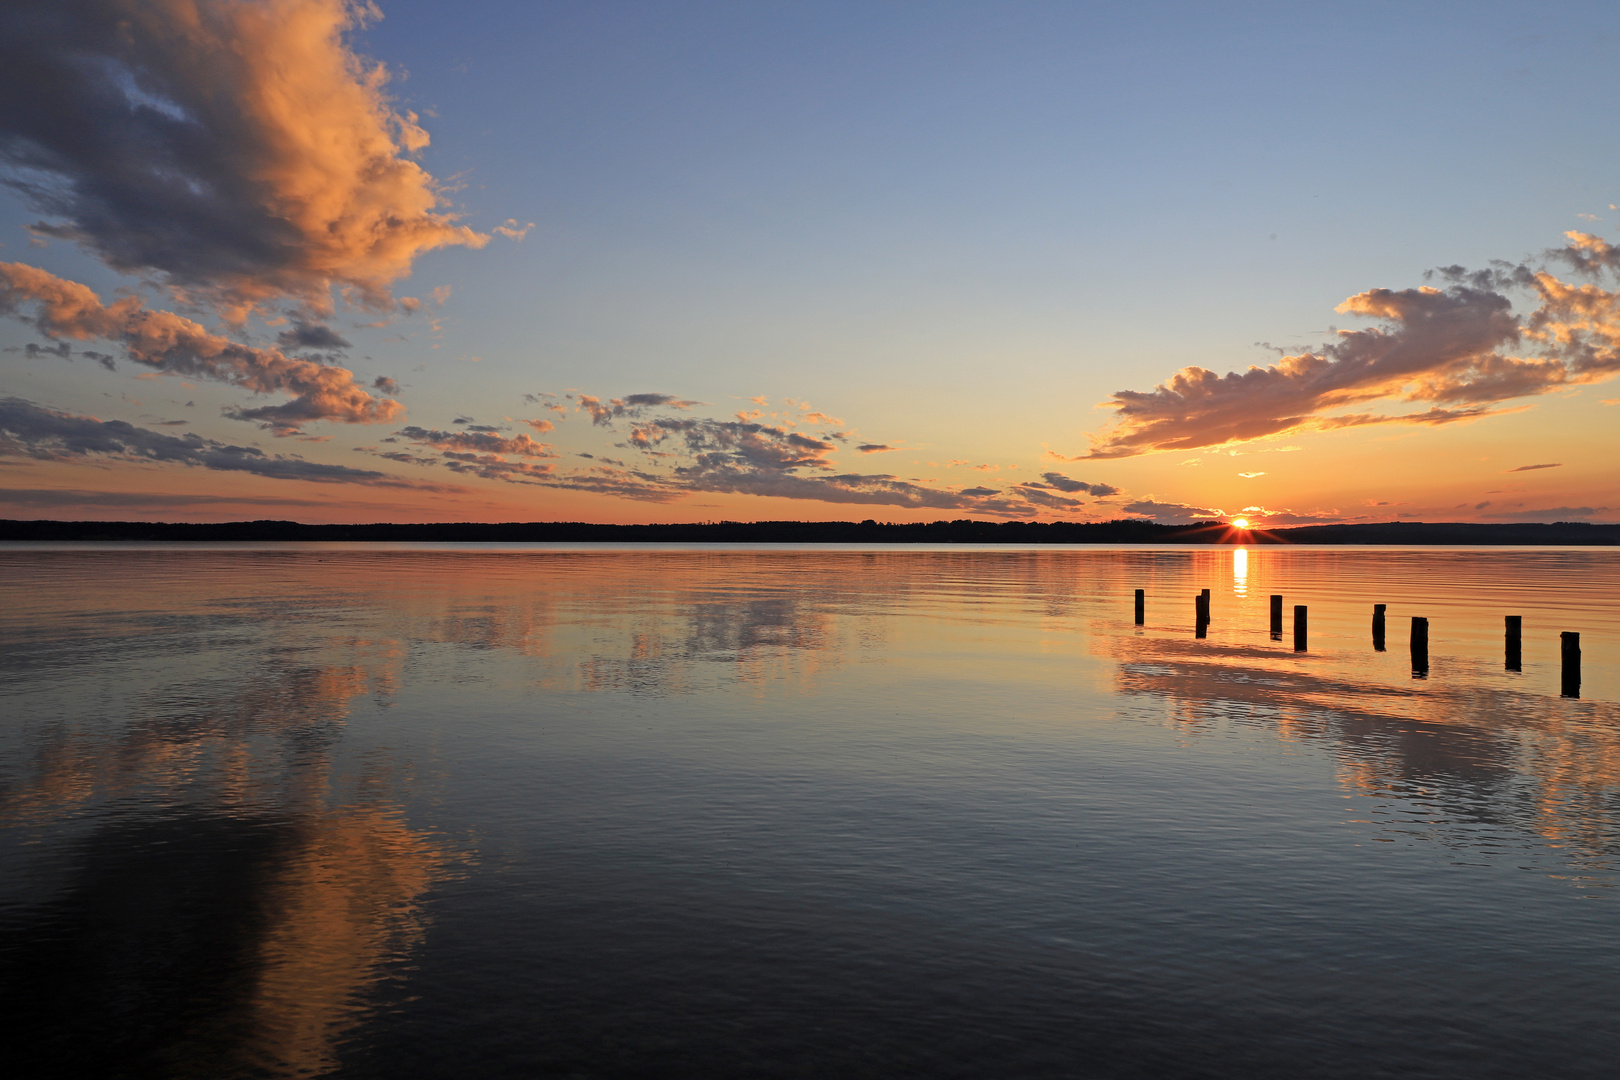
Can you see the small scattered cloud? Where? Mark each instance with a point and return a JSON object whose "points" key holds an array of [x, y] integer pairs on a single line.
{"points": [[1533, 468], [1250, 475], [512, 231], [876, 448], [302, 335], [631, 406]]}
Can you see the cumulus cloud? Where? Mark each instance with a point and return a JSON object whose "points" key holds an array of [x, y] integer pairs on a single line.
{"points": [[30, 430], [171, 343], [1460, 348], [238, 152]]}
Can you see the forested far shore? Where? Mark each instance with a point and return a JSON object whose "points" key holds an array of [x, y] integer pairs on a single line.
{"points": [[817, 532]]}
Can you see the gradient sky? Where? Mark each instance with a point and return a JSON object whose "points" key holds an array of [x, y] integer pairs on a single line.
{"points": [[683, 262]]}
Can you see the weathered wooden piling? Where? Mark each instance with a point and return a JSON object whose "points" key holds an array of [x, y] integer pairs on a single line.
{"points": [[1513, 656], [1141, 606], [1571, 650], [1301, 628], [1378, 627], [1205, 597], [1201, 614], [1420, 647], [1276, 614]]}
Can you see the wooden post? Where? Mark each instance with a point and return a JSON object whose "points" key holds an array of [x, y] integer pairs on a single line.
{"points": [[1201, 614], [1512, 653], [1205, 597], [1420, 647], [1571, 649], [1301, 628], [1276, 615], [1141, 606], [1378, 627]]}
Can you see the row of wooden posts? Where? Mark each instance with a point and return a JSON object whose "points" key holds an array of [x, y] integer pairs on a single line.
{"points": [[1514, 661]]}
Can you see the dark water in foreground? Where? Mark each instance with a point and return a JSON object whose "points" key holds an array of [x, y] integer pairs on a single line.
{"points": [[414, 812]]}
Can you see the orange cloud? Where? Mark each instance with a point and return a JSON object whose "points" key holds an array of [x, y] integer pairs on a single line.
{"points": [[242, 152], [174, 344], [1443, 346]]}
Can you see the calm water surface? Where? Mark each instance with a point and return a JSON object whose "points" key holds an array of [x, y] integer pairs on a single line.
{"points": [[603, 812]]}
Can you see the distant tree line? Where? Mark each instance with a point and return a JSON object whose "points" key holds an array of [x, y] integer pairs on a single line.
{"points": [[961, 531]]}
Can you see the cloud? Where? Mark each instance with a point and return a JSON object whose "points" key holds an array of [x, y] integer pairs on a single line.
{"points": [[481, 441], [511, 230], [542, 426], [479, 451], [174, 344], [688, 455], [1041, 496], [1460, 348], [1172, 513], [238, 152], [1533, 468], [304, 335], [48, 435], [875, 448], [632, 406], [1250, 475], [1063, 483]]}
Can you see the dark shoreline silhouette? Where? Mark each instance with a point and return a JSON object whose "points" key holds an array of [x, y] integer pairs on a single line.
{"points": [[962, 531]]}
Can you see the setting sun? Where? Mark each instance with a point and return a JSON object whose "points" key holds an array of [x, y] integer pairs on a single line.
{"points": [[1240, 523]]}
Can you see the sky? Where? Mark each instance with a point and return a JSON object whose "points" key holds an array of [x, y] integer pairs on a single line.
{"points": [[650, 262]]}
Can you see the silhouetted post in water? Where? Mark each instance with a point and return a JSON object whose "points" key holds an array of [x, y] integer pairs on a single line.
{"points": [[1201, 614], [1420, 647], [1141, 606], [1204, 596], [1276, 614], [1572, 664], [1378, 626], [1300, 628], [1514, 658]]}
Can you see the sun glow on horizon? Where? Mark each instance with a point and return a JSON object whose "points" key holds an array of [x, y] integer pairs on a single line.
{"points": [[1240, 523]]}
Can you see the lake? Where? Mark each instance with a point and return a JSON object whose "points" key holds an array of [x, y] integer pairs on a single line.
{"points": [[414, 811]]}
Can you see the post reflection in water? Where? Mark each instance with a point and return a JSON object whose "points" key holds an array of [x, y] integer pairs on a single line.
{"points": [[406, 811]]}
